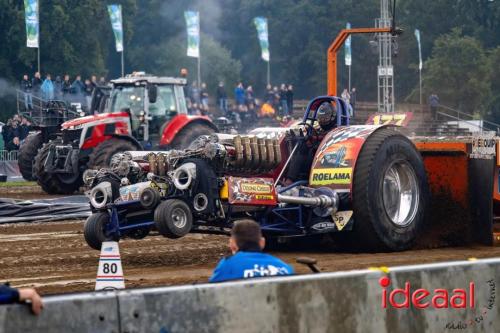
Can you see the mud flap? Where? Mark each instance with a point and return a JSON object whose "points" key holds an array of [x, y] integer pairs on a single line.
{"points": [[481, 178], [461, 194]]}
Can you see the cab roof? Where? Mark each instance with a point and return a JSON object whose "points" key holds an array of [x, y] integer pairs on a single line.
{"points": [[141, 77]]}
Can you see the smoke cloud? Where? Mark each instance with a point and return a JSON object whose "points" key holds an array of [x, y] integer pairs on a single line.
{"points": [[6, 88], [210, 14]]}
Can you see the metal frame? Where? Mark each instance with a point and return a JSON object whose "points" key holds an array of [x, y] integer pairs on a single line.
{"points": [[272, 220], [343, 117]]}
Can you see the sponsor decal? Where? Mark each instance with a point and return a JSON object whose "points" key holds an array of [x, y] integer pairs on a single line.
{"points": [[345, 134], [331, 176], [322, 226], [251, 191], [483, 147], [335, 158], [342, 218], [256, 188]]}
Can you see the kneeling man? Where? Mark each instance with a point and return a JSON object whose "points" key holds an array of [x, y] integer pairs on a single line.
{"points": [[248, 260]]}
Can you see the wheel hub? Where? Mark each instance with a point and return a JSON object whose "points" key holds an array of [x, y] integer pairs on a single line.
{"points": [[179, 218], [400, 193]]}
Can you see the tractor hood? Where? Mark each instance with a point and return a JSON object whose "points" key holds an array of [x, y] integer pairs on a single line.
{"points": [[99, 118]]}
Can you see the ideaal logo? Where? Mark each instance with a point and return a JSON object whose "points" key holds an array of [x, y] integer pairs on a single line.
{"points": [[422, 298], [331, 176], [458, 298]]}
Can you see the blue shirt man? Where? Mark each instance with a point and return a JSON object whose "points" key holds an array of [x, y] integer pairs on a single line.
{"points": [[248, 261]]}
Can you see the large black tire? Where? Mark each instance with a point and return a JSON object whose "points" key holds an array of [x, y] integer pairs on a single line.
{"points": [[101, 155], [173, 218], [93, 230], [190, 133], [27, 153], [386, 154], [53, 183]]}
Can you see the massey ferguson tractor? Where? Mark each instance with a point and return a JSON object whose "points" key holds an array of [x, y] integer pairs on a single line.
{"points": [[143, 112]]}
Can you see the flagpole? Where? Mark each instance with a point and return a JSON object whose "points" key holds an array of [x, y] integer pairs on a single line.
{"points": [[349, 78], [199, 73], [123, 66], [269, 72], [38, 48], [420, 81]]}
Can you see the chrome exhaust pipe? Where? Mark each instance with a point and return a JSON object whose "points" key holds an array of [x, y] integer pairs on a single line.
{"points": [[101, 195], [319, 201], [184, 175]]}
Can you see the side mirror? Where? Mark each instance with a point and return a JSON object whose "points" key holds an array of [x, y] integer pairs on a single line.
{"points": [[152, 93]]}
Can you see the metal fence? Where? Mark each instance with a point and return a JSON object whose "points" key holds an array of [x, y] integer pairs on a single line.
{"points": [[6, 155]]}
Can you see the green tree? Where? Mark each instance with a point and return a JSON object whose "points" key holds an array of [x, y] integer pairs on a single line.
{"points": [[168, 57], [458, 72], [494, 79]]}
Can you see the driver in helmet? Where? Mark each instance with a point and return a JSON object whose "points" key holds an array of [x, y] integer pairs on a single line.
{"points": [[327, 116]]}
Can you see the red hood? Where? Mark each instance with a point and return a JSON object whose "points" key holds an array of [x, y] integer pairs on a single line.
{"points": [[90, 119]]}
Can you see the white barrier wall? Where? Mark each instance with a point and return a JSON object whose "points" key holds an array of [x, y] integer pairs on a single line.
{"points": [[340, 302]]}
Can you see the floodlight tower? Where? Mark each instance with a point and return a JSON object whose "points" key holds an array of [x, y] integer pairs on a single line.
{"points": [[385, 69]]}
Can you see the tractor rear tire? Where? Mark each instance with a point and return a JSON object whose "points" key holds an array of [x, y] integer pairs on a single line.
{"points": [[173, 218], [27, 153], [390, 193], [53, 183], [93, 230], [102, 154], [190, 133]]}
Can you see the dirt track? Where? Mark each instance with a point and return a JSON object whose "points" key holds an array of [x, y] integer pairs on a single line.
{"points": [[54, 258]]}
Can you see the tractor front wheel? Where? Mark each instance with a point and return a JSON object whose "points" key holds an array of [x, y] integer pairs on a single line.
{"points": [[94, 230], [102, 154], [27, 154], [54, 183], [173, 218], [190, 133]]}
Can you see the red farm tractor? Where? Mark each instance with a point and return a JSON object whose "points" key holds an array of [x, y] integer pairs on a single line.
{"points": [[143, 112]]}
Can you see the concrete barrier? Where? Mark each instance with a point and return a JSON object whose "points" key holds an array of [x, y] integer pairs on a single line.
{"points": [[93, 312], [341, 302]]}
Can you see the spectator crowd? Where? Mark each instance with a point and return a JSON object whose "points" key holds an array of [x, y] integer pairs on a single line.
{"points": [[274, 102], [15, 131], [65, 89]]}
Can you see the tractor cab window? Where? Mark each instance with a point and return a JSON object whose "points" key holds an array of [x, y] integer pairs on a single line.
{"points": [[161, 111], [165, 105], [129, 97]]}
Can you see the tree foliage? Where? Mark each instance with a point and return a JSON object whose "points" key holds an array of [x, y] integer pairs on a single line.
{"points": [[458, 71], [76, 37]]}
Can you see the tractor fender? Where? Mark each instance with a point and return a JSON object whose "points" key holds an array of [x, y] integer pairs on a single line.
{"points": [[334, 162], [178, 123]]}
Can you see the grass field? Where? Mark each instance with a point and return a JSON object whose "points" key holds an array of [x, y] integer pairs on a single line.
{"points": [[16, 184]]}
